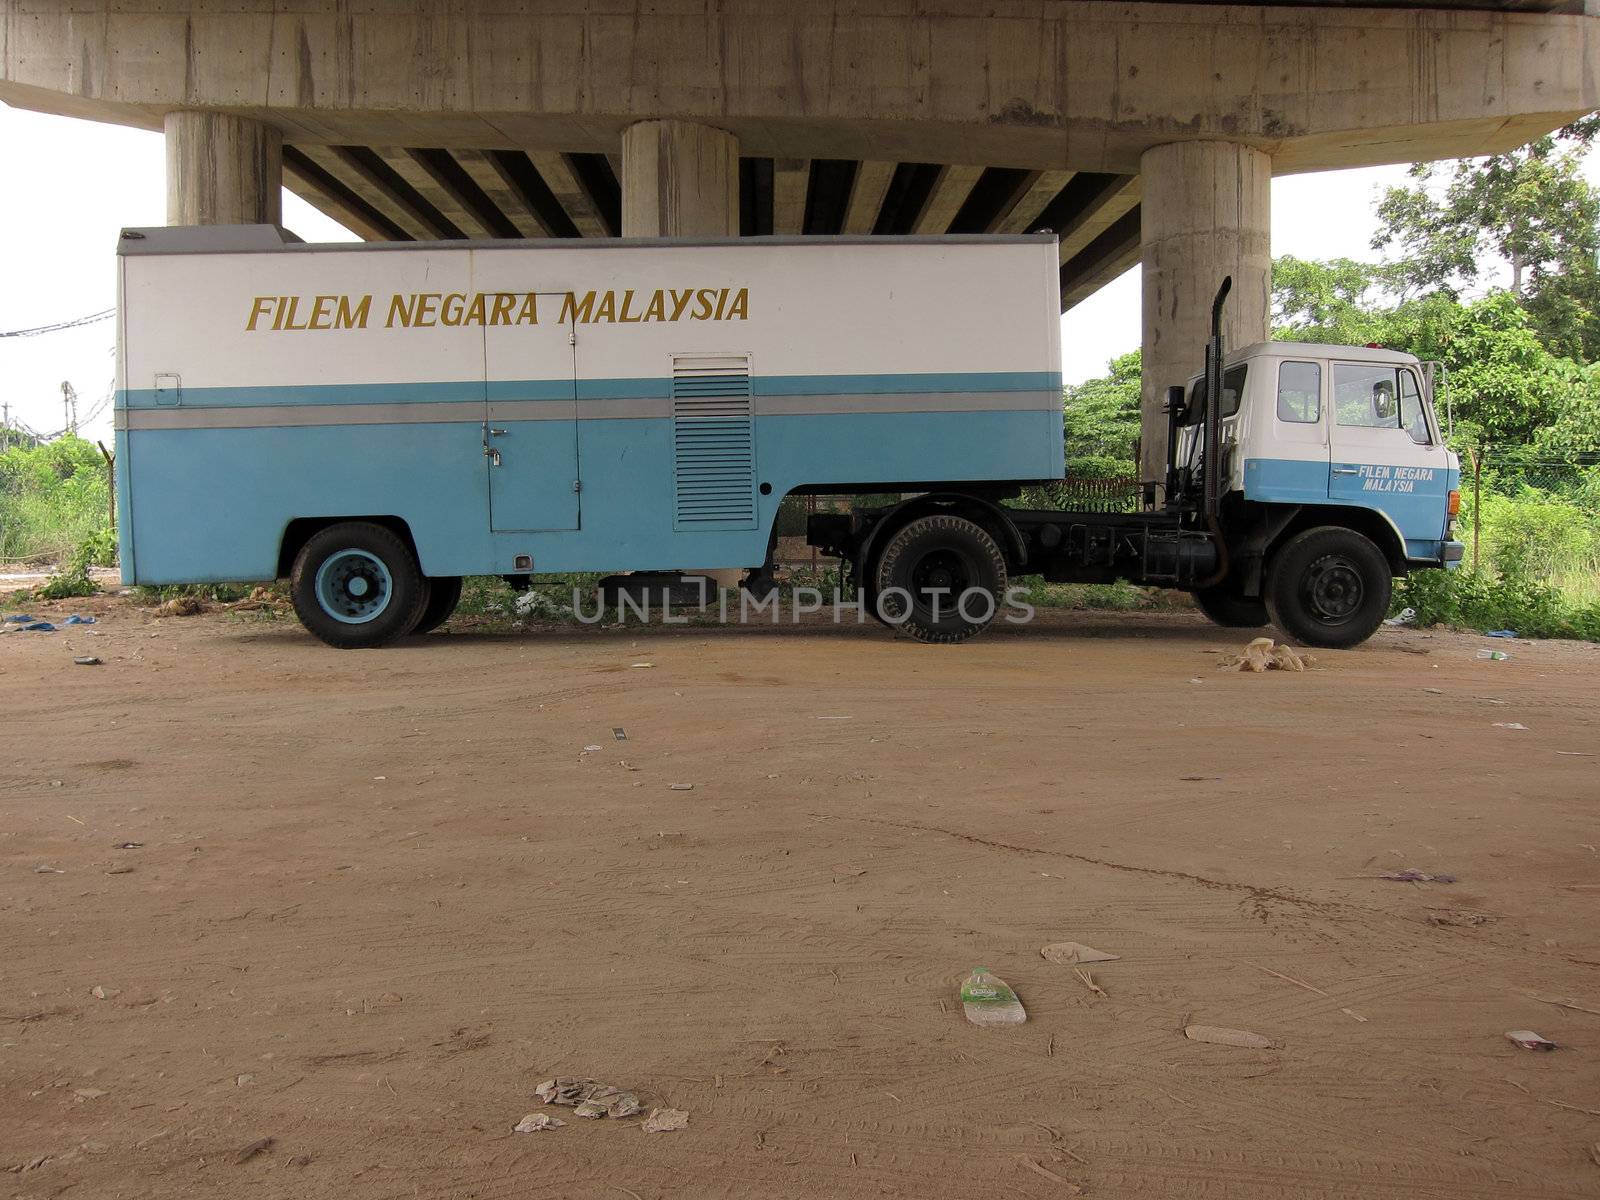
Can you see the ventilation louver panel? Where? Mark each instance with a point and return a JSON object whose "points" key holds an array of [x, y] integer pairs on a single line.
{"points": [[713, 443]]}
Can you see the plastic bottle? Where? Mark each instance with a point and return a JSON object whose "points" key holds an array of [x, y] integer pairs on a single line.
{"points": [[1494, 655], [989, 1000]]}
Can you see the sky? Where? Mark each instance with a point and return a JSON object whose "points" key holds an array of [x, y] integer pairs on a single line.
{"points": [[81, 182]]}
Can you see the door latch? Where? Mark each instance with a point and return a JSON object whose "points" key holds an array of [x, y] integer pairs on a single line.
{"points": [[492, 453], [1347, 470]]}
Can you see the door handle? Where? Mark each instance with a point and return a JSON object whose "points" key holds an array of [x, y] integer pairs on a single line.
{"points": [[498, 432], [1347, 470]]}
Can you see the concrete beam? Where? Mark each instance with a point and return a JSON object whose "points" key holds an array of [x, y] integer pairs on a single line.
{"points": [[949, 191], [790, 178], [1102, 260], [557, 172], [866, 195], [1035, 84], [679, 180], [484, 172], [1094, 204], [329, 194], [457, 221], [1206, 215], [223, 170], [1044, 187], [339, 165]]}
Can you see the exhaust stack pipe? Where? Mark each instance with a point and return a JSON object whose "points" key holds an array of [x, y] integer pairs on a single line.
{"points": [[1211, 448]]}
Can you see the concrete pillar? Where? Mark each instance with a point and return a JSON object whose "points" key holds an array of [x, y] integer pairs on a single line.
{"points": [[223, 170], [1206, 214], [679, 179]]}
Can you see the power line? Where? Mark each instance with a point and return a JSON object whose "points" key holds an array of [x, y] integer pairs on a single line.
{"points": [[75, 323]]}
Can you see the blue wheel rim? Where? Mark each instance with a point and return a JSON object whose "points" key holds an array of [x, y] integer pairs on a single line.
{"points": [[354, 587]]}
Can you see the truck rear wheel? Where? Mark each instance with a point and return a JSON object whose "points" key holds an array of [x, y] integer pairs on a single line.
{"points": [[357, 585], [1230, 609], [444, 593], [1329, 587], [940, 578]]}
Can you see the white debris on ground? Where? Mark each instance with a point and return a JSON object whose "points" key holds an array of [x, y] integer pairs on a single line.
{"points": [[1228, 1037], [534, 1122], [665, 1120], [1262, 655], [1068, 953]]}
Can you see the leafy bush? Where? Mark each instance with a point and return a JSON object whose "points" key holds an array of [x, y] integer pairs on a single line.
{"points": [[73, 577], [1486, 599], [52, 501]]}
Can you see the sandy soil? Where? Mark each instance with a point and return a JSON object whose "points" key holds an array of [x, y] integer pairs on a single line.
{"points": [[376, 897]]}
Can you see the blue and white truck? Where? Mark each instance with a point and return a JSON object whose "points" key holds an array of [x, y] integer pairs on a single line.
{"points": [[375, 422]]}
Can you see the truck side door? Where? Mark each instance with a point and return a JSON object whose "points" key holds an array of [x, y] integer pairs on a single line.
{"points": [[1386, 454], [530, 429]]}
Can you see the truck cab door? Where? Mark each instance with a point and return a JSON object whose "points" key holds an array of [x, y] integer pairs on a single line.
{"points": [[1385, 452], [530, 427]]}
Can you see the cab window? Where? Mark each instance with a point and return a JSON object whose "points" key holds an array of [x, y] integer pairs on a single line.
{"points": [[1413, 416], [1369, 396], [1300, 392], [1232, 390]]}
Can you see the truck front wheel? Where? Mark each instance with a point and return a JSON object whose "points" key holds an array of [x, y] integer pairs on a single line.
{"points": [[940, 578], [1226, 607], [357, 585], [1329, 587]]}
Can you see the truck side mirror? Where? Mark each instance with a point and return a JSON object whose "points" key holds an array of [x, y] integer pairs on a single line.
{"points": [[1176, 403]]}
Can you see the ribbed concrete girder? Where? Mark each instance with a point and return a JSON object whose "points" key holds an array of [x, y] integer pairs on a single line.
{"points": [[401, 193]]}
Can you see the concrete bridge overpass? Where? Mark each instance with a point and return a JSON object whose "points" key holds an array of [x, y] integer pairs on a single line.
{"points": [[1136, 131]]}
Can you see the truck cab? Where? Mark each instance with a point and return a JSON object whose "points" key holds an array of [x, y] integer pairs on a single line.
{"points": [[1319, 435], [1331, 478], [1305, 424]]}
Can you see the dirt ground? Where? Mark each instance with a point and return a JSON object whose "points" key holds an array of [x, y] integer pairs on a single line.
{"points": [[371, 899]]}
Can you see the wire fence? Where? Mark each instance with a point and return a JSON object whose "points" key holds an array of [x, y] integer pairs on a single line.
{"points": [[1528, 512]]}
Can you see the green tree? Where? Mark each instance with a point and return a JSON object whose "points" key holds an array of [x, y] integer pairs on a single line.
{"points": [[1101, 422], [1335, 301], [1531, 208], [1505, 384]]}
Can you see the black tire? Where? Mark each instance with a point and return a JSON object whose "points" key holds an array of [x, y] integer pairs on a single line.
{"points": [[357, 585], [867, 597], [946, 552], [444, 593], [1329, 587], [1229, 609]]}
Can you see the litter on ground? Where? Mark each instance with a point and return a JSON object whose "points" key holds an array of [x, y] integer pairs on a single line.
{"points": [[534, 1122], [1075, 952], [665, 1120], [1410, 875], [1262, 655], [1529, 1040], [1219, 1036], [988, 1000], [589, 1097]]}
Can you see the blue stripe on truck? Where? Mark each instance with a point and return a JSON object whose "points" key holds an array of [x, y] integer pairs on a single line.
{"points": [[467, 391]]}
